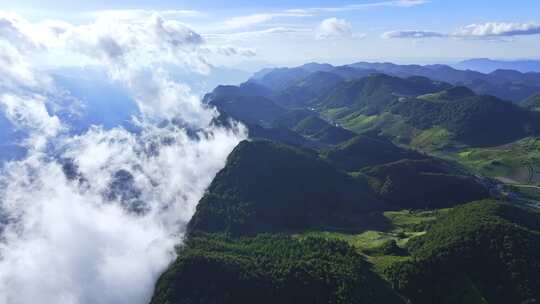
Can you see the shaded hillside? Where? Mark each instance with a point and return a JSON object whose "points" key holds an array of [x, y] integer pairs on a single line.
{"points": [[310, 125], [532, 102], [281, 78], [318, 129], [249, 109], [484, 252], [265, 119], [474, 120], [450, 94], [364, 151], [245, 89], [301, 93], [269, 187], [425, 184], [374, 93]]}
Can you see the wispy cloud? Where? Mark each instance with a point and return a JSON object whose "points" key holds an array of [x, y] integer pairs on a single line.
{"points": [[488, 31], [355, 7], [260, 18], [248, 35], [415, 34], [254, 19], [135, 14], [331, 28]]}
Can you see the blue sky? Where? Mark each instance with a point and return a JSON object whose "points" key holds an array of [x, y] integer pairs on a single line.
{"points": [[290, 32]]}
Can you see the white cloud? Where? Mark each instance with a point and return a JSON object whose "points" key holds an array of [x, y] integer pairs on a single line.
{"points": [[247, 21], [251, 20], [68, 243], [249, 35], [334, 28], [29, 113], [68, 240], [126, 44], [17, 74], [415, 34], [22, 88], [137, 14], [498, 29], [136, 55]]}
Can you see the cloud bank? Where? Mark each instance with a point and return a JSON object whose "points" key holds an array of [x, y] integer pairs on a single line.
{"points": [[94, 218]]}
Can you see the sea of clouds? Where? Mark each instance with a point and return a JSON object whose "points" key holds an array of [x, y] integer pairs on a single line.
{"points": [[94, 217]]}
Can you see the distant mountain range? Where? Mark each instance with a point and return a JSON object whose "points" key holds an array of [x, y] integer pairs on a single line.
{"points": [[319, 101], [485, 65], [506, 84]]}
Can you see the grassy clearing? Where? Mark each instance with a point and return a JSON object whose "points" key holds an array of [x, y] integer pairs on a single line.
{"points": [[433, 139], [334, 113], [404, 225], [410, 220]]}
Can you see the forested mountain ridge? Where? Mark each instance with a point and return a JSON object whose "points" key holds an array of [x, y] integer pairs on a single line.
{"points": [[341, 195]]}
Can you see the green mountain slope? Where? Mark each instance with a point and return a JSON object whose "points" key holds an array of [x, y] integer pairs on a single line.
{"points": [[475, 121], [484, 252], [374, 93], [450, 94], [270, 269], [434, 121]]}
